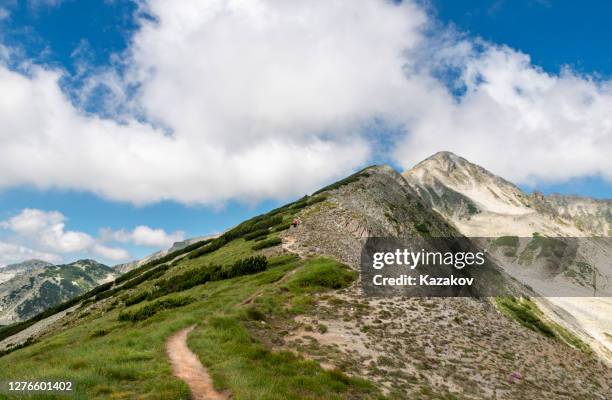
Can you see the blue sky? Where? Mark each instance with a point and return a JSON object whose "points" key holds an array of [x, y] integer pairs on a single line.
{"points": [[100, 49]]}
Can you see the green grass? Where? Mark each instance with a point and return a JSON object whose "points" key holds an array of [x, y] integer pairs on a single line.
{"points": [[276, 220], [423, 229], [322, 273], [252, 371], [267, 243], [151, 309], [208, 273], [527, 313], [109, 358], [511, 241]]}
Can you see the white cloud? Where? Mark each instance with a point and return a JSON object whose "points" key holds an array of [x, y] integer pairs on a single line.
{"points": [[261, 99], [145, 236], [111, 253], [517, 120], [4, 13], [11, 253], [47, 229], [43, 234]]}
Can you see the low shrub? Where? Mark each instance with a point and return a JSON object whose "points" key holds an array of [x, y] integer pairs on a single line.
{"points": [[282, 227], [98, 333], [152, 274], [423, 229], [258, 223], [209, 248], [162, 260], [267, 243], [350, 179], [151, 309], [213, 272], [140, 297], [256, 234], [255, 314], [247, 266], [526, 314]]}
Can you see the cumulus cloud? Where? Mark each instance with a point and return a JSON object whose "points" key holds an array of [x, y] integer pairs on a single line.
{"points": [[517, 120], [47, 229], [46, 237], [35, 233], [111, 253], [249, 100], [228, 99], [143, 235], [10, 253]]}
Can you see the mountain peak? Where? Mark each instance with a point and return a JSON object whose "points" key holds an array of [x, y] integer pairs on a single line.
{"points": [[444, 155], [448, 166], [88, 264], [462, 188], [481, 203], [448, 161], [27, 265]]}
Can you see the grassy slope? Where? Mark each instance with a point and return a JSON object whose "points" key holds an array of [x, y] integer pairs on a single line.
{"points": [[111, 359], [527, 313]]}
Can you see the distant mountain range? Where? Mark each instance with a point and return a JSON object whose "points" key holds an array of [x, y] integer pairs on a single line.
{"points": [[37, 285], [32, 286], [123, 268]]}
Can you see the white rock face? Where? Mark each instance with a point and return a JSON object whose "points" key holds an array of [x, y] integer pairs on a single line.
{"points": [[481, 204]]}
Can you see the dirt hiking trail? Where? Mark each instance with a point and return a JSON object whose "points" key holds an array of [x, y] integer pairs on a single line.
{"points": [[186, 366]]}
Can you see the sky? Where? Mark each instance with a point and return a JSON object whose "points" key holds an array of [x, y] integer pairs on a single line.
{"points": [[128, 125]]}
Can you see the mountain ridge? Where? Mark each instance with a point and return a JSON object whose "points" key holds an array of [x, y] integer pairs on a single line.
{"points": [[304, 321], [37, 289], [462, 191], [126, 267], [10, 271]]}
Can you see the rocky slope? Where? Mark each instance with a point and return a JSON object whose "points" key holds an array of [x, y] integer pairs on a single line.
{"points": [[481, 204], [43, 286], [9, 271], [455, 345], [589, 215]]}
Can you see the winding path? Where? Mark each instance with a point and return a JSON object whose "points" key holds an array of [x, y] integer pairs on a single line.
{"points": [[186, 366]]}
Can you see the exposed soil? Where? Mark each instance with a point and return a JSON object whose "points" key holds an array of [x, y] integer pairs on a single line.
{"points": [[186, 366]]}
